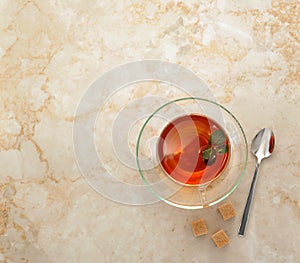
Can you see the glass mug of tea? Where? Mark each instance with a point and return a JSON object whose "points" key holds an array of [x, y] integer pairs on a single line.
{"points": [[192, 153]]}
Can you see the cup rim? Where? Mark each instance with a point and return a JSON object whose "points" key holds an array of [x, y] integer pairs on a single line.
{"points": [[200, 184]]}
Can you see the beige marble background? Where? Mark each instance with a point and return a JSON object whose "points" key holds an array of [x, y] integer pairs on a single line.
{"points": [[51, 51]]}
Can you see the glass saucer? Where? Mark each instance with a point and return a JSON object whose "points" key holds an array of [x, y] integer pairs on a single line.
{"points": [[163, 185]]}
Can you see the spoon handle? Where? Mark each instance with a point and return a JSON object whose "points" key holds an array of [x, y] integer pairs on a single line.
{"points": [[249, 201]]}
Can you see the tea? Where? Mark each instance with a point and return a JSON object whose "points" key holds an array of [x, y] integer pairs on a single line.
{"points": [[193, 149]]}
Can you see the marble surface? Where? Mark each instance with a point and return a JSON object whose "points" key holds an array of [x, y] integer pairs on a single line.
{"points": [[51, 51]]}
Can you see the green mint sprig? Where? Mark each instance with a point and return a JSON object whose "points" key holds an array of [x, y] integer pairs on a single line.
{"points": [[216, 144]]}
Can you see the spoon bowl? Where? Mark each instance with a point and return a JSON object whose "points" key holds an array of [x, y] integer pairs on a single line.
{"points": [[263, 144]]}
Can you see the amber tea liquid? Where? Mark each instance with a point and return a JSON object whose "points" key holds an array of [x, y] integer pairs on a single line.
{"points": [[180, 147]]}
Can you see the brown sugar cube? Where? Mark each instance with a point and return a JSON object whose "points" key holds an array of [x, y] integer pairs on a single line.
{"points": [[199, 228], [227, 211], [220, 238]]}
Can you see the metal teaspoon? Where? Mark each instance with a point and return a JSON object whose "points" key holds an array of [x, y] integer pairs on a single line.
{"points": [[262, 147]]}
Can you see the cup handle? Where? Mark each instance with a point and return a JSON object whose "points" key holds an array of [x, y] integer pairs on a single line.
{"points": [[202, 195]]}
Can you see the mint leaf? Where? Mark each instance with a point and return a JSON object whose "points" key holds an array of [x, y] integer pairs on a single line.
{"points": [[218, 137], [209, 156], [207, 153], [222, 148]]}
